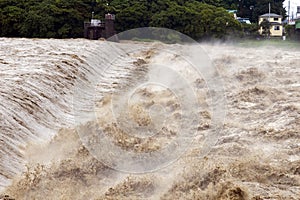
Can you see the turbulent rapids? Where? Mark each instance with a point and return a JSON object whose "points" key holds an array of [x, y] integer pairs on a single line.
{"points": [[43, 154]]}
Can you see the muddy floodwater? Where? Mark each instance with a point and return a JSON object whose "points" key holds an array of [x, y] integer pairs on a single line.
{"points": [[50, 119]]}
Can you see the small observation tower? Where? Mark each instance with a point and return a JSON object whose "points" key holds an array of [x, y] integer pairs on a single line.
{"points": [[96, 29]]}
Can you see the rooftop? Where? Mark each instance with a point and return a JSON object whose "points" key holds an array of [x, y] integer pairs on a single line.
{"points": [[232, 11], [270, 15]]}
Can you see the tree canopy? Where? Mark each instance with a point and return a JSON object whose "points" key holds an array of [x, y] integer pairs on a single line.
{"points": [[43, 18], [64, 18], [252, 9]]}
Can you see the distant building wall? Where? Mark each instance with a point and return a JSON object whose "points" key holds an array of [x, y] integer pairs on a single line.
{"points": [[276, 28], [272, 19], [109, 25], [93, 32]]}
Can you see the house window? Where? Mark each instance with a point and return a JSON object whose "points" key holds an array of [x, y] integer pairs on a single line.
{"points": [[275, 19], [276, 28]]}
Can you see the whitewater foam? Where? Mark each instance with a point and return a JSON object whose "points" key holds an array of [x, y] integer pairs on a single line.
{"points": [[257, 156]]}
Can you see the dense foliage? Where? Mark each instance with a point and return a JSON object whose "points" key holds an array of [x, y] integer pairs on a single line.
{"points": [[200, 20], [265, 25], [252, 9], [64, 18], [43, 18]]}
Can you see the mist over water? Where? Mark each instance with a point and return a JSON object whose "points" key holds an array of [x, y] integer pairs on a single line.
{"points": [[42, 156]]}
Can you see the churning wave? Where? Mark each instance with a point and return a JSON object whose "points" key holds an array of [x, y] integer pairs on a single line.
{"points": [[42, 157]]}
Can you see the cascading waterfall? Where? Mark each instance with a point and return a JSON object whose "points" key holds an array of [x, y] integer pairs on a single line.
{"points": [[37, 87]]}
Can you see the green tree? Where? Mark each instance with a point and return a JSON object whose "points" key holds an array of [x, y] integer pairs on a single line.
{"points": [[250, 30], [265, 25], [43, 18], [11, 18], [262, 7], [251, 9], [197, 20], [217, 3], [64, 18], [131, 14]]}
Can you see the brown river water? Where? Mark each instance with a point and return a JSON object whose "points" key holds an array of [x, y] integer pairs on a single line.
{"points": [[45, 154]]}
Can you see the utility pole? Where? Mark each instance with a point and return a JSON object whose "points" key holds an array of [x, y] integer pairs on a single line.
{"points": [[269, 20], [289, 9], [93, 8], [269, 10]]}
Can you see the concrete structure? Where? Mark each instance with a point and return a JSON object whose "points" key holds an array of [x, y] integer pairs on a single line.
{"points": [[96, 29], [276, 28]]}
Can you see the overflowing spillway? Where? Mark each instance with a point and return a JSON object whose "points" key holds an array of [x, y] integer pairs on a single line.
{"points": [[37, 86], [45, 112]]}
